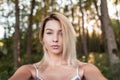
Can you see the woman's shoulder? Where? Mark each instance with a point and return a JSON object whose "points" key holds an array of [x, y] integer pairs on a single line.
{"points": [[29, 67], [91, 72], [23, 73], [88, 67], [26, 67]]}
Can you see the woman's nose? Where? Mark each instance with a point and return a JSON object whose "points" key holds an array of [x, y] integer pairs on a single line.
{"points": [[55, 38]]}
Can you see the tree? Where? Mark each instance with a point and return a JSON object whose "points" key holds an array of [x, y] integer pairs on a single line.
{"points": [[83, 32], [111, 45], [29, 34], [17, 36]]}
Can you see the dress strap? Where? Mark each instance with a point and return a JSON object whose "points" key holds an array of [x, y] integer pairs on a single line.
{"points": [[36, 70], [77, 71], [76, 77], [77, 74], [37, 73]]}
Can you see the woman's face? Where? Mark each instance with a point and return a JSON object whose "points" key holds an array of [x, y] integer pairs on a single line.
{"points": [[52, 37]]}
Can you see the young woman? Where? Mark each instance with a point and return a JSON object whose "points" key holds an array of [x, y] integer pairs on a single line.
{"points": [[59, 61]]}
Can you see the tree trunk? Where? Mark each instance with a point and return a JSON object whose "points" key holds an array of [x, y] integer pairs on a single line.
{"points": [[84, 41], [103, 31], [29, 34], [109, 37], [17, 37]]}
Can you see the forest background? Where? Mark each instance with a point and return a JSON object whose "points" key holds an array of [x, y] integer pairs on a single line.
{"points": [[96, 22]]}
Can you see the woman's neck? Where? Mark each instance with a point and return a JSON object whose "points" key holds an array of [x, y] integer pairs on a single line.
{"points": [[55, 60]]}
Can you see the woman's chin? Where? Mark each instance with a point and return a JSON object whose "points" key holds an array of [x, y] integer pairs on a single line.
{"points": [[56, 52]]}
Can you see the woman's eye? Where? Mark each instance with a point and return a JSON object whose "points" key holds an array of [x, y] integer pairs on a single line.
{"points": [[61, 33], [49, 32]]}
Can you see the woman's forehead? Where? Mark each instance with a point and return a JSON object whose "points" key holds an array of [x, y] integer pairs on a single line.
{"points": [[53, 25]]}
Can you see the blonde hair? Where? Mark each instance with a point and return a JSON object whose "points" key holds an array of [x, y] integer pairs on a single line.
{"points": [[69, 38]]}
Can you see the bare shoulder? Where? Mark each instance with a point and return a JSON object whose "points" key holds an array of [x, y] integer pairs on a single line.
{"points": [[91, 72], [23, 73], [26, 68], [89, 67]]}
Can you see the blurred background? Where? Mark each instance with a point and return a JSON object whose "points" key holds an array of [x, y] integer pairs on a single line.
{"points": [[96, 22]]}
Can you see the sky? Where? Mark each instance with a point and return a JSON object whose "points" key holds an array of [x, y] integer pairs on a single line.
{"points": [[1, 32], [111, 10]]}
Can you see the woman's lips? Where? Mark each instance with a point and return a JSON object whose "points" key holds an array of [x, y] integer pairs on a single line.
{"points": [[55, 46]]}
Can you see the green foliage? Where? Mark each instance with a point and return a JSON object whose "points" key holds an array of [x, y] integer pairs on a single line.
{"points": [[102, 62], [95, 40], [6, 66], [116, 28], [117, 69], [88, 4]]}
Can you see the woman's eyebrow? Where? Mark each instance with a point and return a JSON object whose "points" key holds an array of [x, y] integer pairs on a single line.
{"points": [[48, 29]]}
